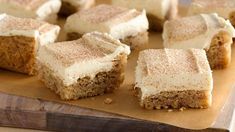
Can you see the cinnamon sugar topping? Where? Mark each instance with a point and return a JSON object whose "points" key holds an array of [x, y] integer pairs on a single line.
{"points": [[9, 23], [28, 4], [215, 3], [103, 13], [176, 30], [169, 61]]}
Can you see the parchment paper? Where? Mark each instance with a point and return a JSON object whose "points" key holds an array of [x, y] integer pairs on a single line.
{"points": [[124, 102]]}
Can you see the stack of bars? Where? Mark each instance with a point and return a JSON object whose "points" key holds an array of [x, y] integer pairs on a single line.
{"points": [[92, 61]]}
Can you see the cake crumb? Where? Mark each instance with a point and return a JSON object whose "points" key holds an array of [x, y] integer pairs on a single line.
{"points": [[169, 110], [182, 108], [132, 87], [108, 101], [165, 107]]}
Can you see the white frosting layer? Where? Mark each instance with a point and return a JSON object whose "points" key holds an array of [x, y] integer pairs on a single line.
{"points": [[43, 37], [69, 74], [79, 69], [47, 8], [49, 36], [214, 24], [152, 85], [158, 8], [119, 30]]}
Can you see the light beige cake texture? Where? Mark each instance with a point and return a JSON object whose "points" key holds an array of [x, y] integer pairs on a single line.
{"points": [[127, 25], [173, 78], [72, 6], [157, 10], [204, 31], [37, 9], [89, 66], [224, 8], [20, 39]]}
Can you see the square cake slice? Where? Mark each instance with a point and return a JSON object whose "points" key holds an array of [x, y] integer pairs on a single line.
{"points": [[89, 66], [157, 10], [205, 31], [174, 78], [45, 10], [128, 25], [20, 39], [224, 8], [72, 6]]}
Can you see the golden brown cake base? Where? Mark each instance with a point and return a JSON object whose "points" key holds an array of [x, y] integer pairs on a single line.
{"points": [[102, 83], [219, 53], [155, 24], [67, 9], [17, 53], [137, 41], [73, 36], [232, 18], [176, 100], [134, 42]]}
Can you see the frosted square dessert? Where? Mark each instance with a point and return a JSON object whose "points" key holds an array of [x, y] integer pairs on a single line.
{"points": [[157, 10], [45, 10], [204, 31], [174, 78], [90, 66], [20, 39], [72, 6], [128, 25], [224, 8]]}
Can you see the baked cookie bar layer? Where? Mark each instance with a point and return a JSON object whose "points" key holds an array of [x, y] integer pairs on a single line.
{"points": [[219, 53], [17, 53], [176, 99]]}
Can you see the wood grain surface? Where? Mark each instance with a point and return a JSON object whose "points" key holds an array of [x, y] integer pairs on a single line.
{"points": [[22, 112]]}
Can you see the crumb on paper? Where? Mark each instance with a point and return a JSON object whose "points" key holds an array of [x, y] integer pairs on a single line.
{"points": [[169, 110], [158, 107], [108, 101], [132, 87], [182, 108], [135, 92], [165, 107]]}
